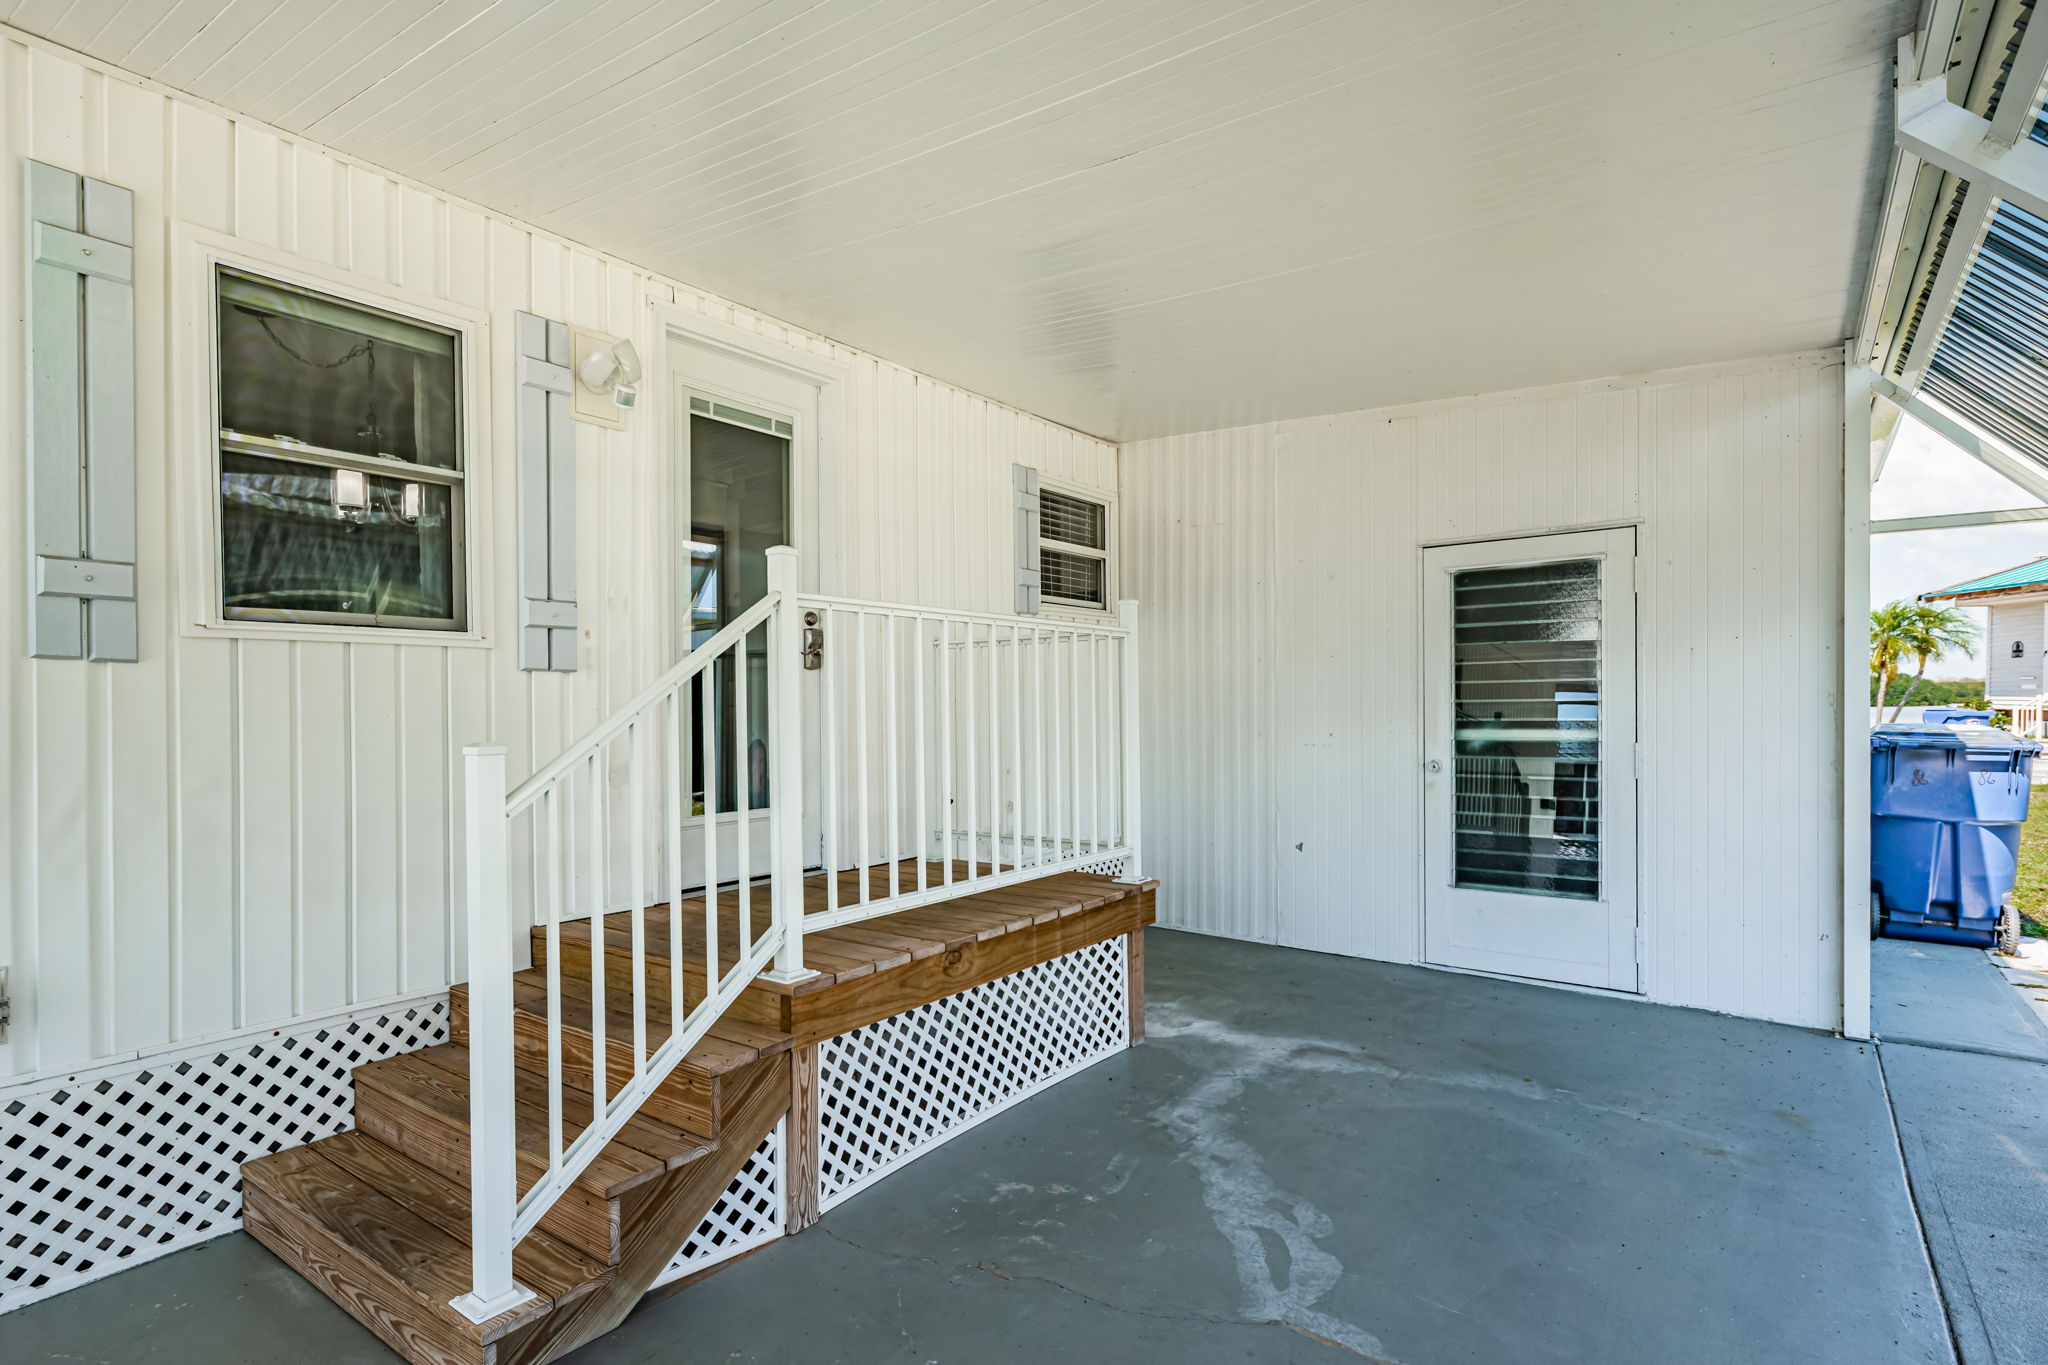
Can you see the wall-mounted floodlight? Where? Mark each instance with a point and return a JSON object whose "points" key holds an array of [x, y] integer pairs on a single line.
{"points": [[607, 377]]}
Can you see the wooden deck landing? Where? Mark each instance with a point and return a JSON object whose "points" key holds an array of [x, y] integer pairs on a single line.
{"points": [[879, 967]]}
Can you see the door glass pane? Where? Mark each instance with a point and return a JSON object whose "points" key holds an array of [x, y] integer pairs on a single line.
{"points": [[739, 507], [1526, 698]]}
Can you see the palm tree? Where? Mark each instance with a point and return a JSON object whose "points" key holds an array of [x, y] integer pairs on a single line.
{"points": [[1925, 634]]}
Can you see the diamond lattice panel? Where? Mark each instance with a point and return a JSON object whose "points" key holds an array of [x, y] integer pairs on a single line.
{"points": [[747, 1215], [1108, 867], [128, 1166], [890, 1091]]}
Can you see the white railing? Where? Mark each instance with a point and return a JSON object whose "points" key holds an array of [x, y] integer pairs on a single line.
{"points": [[950, 752], [961, 751], [2028, 713], [619, 801]]}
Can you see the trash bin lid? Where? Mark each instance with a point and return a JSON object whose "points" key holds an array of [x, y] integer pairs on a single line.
{"points": [[1950, 737]]}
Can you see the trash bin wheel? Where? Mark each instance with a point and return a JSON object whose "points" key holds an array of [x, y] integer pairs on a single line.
{"points": [[2009, 928]]}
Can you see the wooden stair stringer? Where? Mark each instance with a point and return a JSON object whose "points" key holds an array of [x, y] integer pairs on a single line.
{"points": [[656, 1219]]}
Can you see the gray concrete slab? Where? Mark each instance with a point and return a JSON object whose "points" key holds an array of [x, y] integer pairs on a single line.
{"points": [[1975, 1133], [1314, 1159], [1945, 996]]}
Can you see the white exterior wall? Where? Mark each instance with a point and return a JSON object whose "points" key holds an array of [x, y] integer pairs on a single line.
{"points": [[1280, 570], [2006, 622], [234, 833]]}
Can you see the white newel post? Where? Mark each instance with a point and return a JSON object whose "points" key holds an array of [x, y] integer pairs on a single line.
{"points": [[1134, 865], [786, 766], [493, 1171]]}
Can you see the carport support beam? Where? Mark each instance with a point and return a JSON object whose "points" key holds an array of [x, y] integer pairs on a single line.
{"points": [[1857, 400]]}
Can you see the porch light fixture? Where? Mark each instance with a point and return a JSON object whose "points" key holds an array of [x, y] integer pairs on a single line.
{"points": [[605, 367]]}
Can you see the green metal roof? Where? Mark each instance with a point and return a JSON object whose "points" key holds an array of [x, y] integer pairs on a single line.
{"points": [[2032, 574]]}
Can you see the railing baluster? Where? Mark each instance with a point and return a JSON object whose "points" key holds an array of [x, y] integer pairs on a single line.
{"points": [[1016, 746], [949, 792], [636, 872], [600, 863], [1074, 736], [708, 742], [553, 810], [786, 767], [829, 797], [743, 804], [672, 840], [995, 756], [921, 722], [970, 822], [1094, 744], [1038, 730], [863, 792], [892, 700]]}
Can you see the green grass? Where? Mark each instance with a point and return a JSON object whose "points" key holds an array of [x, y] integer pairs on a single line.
{"points": [[2030, 891]]}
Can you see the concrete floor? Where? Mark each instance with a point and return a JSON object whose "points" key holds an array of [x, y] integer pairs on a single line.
{"points": [[1314, 1159]]}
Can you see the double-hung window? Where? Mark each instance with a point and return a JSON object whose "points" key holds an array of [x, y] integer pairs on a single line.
{"points": [[1073, 550], [341, 471]]}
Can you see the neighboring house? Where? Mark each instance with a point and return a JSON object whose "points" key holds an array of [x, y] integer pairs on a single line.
{"points": [[623, 770], [2015, 603]]}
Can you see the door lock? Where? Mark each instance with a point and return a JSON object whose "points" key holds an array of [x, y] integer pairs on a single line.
{"points": [[1436, 765], [813, 650]]}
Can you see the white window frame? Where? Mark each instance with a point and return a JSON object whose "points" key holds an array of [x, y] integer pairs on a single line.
{"points": [[1050, 605], [198, 256]]}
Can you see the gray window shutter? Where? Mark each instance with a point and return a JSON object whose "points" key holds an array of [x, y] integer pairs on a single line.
{"points": [[81, 416], [1024, 482], [546, 440]]}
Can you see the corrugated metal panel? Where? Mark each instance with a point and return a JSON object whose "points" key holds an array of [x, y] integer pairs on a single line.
{"points": [[1992, 364], [2011, 672], [1279, 567], [2019, 576], [1136, 217], [231, 833]]}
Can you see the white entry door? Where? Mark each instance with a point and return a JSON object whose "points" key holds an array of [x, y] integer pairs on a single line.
{"points": [[1530, 775]]}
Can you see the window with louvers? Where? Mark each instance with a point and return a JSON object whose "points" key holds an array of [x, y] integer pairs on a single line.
{"points": [[1073, 549]]}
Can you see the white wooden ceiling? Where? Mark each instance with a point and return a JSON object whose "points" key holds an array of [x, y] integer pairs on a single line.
{"points": [[1137, 217]]}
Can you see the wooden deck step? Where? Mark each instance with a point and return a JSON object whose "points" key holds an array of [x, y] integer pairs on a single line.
{"points": [[388, 1239], [418, 1103], [690, 1098]]}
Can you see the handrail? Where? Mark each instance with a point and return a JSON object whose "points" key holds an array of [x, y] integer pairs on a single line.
{"points": [[1106, 625], [695, 662]]}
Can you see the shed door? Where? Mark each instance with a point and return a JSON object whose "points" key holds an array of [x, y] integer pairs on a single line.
{"points": [[1530, 730]]}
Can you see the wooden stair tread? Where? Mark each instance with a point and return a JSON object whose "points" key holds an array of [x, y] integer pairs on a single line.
{"points": [[305, 1199], [435, 1082], [726, 1046], [551, 1268]]}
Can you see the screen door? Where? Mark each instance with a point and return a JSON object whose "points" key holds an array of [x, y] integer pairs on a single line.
{"points": [[1529, 781]]}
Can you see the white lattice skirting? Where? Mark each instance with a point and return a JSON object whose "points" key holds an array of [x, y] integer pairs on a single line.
{"points": [[748, 1215], [125, 1166], [893, 1090]]}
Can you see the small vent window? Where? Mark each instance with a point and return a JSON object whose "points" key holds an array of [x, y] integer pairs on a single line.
{"points": [[1073, 549]]}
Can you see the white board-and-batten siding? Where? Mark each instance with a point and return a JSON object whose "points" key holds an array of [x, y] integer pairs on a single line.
{"points": [[2009, 624], [235, 833], [1280, 570]]}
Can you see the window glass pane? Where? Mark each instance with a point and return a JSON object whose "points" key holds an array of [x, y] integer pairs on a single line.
{"points": [[739, 507], [1077, 521], [1075, 578], [1526, 683], [310, 369], [299, 538]]}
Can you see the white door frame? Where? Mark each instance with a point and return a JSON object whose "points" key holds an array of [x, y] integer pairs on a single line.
{"points": [[1607, 931]]}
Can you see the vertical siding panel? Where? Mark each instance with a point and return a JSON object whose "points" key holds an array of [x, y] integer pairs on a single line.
{"points": [[374, 807], [320, 812], [264, 929], [423, 749]]}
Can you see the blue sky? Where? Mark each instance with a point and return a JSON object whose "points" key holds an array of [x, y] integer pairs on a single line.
{"points": [[1925, 475]]}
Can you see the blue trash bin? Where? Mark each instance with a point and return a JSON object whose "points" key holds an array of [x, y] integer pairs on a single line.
{"points": [[1946, 806], [1955, 715]]}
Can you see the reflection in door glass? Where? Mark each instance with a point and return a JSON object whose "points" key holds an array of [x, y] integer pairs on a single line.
{"points": [[1526, 697], [739, 507]]}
